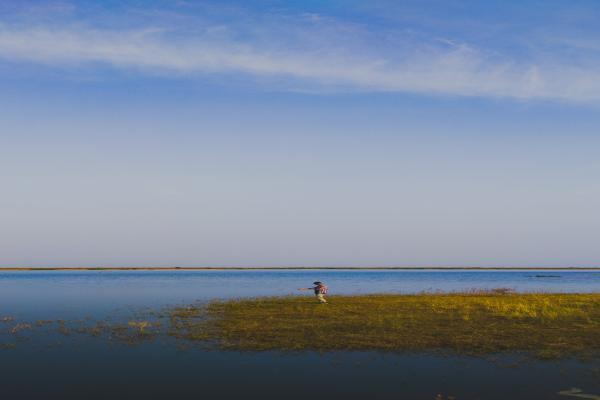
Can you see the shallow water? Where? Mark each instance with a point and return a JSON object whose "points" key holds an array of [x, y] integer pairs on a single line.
{"points": [[81, 366]]}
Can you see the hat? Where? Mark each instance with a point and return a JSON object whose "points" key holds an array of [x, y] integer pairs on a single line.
{"points": [[317, 283]]}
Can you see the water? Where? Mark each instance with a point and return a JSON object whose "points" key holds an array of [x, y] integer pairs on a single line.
{"points": [[85, 367], [37, 294]]}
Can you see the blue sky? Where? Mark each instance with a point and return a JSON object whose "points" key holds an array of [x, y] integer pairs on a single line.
{"points": [[406, 133]]}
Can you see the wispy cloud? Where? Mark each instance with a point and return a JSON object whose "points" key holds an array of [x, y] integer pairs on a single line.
{"points": [[316, 54]]}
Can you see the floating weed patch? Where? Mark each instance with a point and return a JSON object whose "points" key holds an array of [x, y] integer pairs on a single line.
{"points": [[7, 319], [140, 326], [19, 328], [62, 328], [131, 332], [97, 330], [185, 321], [477, 322]]}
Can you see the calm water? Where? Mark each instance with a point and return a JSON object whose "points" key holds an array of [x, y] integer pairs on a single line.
{"points": [[61, 367], [38, 294]]}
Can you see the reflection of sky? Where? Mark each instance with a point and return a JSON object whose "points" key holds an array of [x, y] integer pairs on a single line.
{"points": [[211, 158], [65, 294]]}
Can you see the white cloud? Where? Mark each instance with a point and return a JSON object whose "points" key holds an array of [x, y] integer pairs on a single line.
{"points": [[334, 64]]}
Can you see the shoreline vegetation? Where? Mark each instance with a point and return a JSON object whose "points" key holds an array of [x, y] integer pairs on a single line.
{"points": [[546, 326], [297, 268]]}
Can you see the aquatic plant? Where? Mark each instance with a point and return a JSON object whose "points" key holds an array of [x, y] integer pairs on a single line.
{"points": [[140, 325], [478, 322], [62, 328], [20, 327]]}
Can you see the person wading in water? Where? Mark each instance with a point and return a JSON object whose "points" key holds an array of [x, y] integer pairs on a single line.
{"points": [[320, 291]]}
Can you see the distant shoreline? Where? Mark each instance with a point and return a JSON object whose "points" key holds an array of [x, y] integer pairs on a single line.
{"points": [[298, 268]]}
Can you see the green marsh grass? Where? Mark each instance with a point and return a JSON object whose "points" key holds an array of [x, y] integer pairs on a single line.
{"points": [[475, 323]]}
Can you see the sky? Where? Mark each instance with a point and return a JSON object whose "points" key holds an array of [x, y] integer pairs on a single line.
{"points": [[299, 133]]}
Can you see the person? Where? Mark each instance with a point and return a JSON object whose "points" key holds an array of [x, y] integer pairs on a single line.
{"points": [[320, 291]]}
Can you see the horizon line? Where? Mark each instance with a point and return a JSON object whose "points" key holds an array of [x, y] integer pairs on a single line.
{"points": [[282, 268]]}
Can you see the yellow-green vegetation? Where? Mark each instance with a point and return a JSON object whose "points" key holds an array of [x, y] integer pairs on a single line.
{"points": [[140, 325], [133, 332], [544, 325]]}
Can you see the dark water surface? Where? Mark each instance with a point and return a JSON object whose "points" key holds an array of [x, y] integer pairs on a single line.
{"points": [[83, 367]]}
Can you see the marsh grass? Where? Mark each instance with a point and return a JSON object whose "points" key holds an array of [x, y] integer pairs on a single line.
{"points": [[474, 323]]}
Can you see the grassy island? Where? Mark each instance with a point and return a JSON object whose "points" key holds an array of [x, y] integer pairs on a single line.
{"points": [[543, 325]]}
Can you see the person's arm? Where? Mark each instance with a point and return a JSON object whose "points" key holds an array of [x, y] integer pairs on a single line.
{"points": [[308, 288]]}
